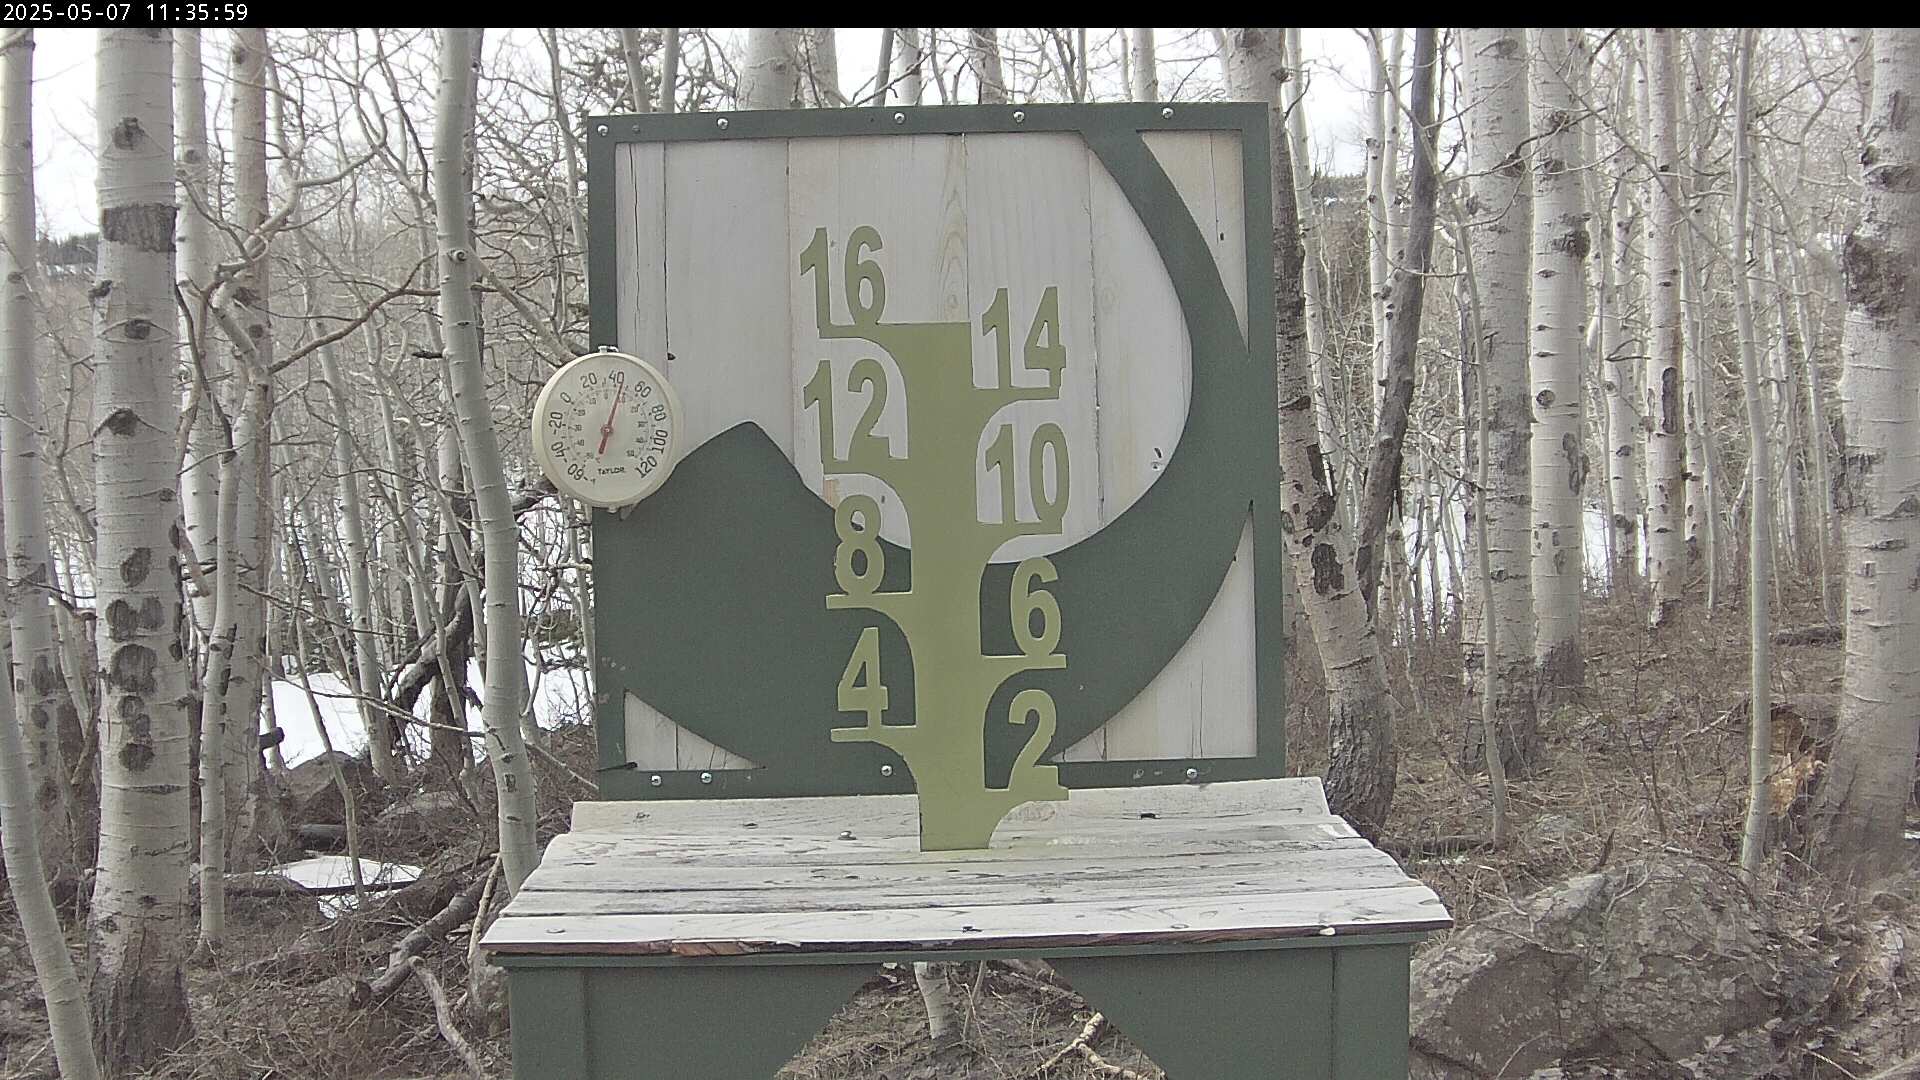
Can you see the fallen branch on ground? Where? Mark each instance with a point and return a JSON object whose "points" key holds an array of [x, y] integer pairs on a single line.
{"points": [[443, 1018], [1082, 1045], [457, 911]]}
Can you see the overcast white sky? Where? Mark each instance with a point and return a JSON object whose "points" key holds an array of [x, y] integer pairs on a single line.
{"points": [[64, 91]]}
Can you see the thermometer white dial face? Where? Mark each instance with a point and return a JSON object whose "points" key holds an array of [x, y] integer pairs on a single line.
{"points": [[606, 429]]}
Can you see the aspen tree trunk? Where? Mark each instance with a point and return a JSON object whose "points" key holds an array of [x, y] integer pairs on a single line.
{"points": [[235, 664], [1664, 402], [1146, 71], [1375, 544], [506, 671], [1824, 517], [36, 831], [1859, 819], [366, 662], [669, 67], [39, 692], [139, 921], [636, 71], [1380, 183], [1320, 363], [883, 70], [1500, 208], [66, 1002], [770, 79], [1559, 458], [1362, 754], [1753, 841], [911, 60], [983, 51], [200, 475], [1620, 364], [1702, 455]]}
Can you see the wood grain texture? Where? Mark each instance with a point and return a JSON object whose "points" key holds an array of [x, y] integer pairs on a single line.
{"points": [[640, 225], [727, 267], [1247, 861]]}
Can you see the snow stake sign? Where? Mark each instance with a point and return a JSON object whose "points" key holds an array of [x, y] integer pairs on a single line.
{"points": [[980, 494]]}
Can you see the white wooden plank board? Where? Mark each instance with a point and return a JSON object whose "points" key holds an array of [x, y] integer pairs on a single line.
{"points": [[727, 268], [912, 191], [1409, 906], [1294, 798], [640, 228], [1144, 373], [1029, 228]]}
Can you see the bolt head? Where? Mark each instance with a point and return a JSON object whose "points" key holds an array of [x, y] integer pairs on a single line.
{"points": [[602, 129], [1193, 774], [1167, 113], [723, 123], [886, 770], [706, 778], [899, 118], [654, 780], [1019, 117]]}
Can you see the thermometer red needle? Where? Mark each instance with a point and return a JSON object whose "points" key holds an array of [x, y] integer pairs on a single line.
{"points": [[606, 429]]}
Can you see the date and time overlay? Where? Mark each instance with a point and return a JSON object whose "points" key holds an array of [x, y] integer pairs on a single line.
{"points": [[110, 14]]}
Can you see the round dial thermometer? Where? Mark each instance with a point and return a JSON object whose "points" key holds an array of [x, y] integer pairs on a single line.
{"points": [[606, 429]]}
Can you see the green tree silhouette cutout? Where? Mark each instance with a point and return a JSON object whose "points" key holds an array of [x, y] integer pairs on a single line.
{"points": [[939, 614]]}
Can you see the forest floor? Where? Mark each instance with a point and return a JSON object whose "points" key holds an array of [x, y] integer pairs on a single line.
{"points": [[1650, 760]]}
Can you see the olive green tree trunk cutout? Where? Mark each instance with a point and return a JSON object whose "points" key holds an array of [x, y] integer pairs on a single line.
{"points": [[939, 613]]}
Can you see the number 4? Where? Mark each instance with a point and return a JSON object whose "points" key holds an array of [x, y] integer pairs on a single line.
{"points": [[860, 687]]}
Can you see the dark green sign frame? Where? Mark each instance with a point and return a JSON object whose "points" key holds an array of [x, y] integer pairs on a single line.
{"points": [[708, 594]]}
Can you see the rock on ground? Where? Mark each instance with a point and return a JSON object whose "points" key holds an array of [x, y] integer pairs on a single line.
{"points": [[1657, 967]]}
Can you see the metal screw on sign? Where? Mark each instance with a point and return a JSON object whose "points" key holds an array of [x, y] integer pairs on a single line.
{"points": [[723, 123], [706, 778], [602, 129], [1167, 113], [1193, 774], [886, 770], [654, 780], [1019, 117], [899, 118]]}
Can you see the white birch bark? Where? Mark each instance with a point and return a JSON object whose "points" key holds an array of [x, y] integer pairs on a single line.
{"points": [[139, 921], [1753, 840], [636, 71], [1362, 753], [1620, 365], [1146, 68], [505, 671], [911, 61], [200, 472], [1499, 209], [669, 68], [1859, 820], [1664, 404], [1557, 316], [1331, 438], [66, 1002], [40, 694], [770, 79], [983, 52], [35, 829], [1379, 200]]}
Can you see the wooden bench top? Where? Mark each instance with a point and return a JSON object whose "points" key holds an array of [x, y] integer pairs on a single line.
{"points": [[1248, 861]]}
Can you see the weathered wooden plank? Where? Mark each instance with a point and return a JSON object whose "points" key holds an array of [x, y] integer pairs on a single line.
{"points": [[640, 226], [1361, 911], [1299, 798], [656, 742], [866, 892], [726, 256]]}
